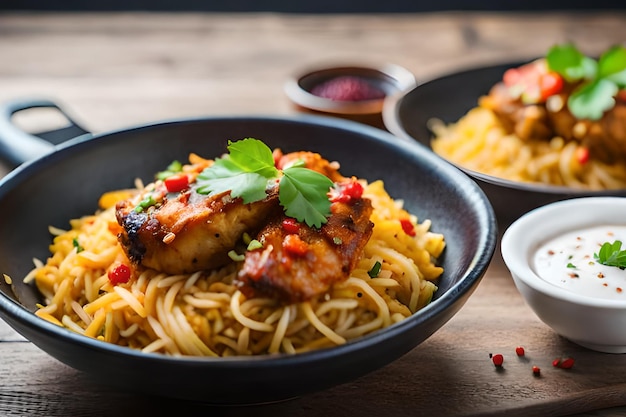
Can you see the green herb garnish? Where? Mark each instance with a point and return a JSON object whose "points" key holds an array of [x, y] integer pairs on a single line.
{"points": [[147, 202], [173, 168], [571, 265], [77, 245], [599, 80], [611, 254], [248, 170], [254, 244], [373, 273]]}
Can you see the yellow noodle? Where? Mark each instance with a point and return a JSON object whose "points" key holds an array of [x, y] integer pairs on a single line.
{"points": [[479, 142], [205, 314], [323, 329], [131, 300], [93, 329], [281, 329]]}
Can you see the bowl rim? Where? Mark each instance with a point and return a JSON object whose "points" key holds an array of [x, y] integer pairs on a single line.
{"points": [[524, 235]]}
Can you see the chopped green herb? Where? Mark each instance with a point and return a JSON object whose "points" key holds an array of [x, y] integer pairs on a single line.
{"points": [[77, 245], [571, 265], [254, 244], [148, 201], [611, 254], [235, 256], [337, 241], [248, 170], [171, 169], [599, 80], [373, 273]]}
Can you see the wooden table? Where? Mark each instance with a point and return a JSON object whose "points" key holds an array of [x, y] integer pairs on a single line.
{"points": [[117, 70]]}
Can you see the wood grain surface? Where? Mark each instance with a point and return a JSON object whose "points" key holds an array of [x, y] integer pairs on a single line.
{"points": [[118, 70]]}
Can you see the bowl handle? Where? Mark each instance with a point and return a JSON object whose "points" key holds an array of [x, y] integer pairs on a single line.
{"points": [[18, 146]]}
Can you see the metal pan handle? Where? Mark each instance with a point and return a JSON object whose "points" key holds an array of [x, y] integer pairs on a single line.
{"points": [[18, 146]]}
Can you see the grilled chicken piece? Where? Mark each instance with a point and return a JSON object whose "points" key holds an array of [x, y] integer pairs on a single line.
{"points": [[605, 138], [311, 160], [296, 264], [188, 232], [191, 232]]}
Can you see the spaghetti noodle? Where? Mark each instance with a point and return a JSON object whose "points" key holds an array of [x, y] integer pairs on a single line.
{"points": [[204, 313], [478, 141]]}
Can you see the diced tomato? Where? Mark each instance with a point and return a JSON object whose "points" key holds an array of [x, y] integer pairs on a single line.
{"points": [[277, 154], [119, 274], [408, 227], [346, 191], [533, 82], [176, 183], [294, 245], [291, 225], [511, 77], [550, 84], [582, 155]]}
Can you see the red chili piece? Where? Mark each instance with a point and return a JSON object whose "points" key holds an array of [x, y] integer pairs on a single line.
{"points": [[550, 84], [119, 275], [291, 225], [536, 370], [176, 183], [556, 363], [497, 359], [582, 155], [537, 84], [408, 227], [345, 192], [567, 363], [294, 245], [519, 351]]}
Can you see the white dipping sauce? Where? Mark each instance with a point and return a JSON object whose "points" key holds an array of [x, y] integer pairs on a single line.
{"points": [[568, 261]]}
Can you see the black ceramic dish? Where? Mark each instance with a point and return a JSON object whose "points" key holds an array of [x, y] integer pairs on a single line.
{"points": [[448, 99], [67, 183]]}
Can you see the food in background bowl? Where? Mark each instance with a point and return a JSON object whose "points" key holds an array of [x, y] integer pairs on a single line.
{"points": [[559, 120], [252, 253]]}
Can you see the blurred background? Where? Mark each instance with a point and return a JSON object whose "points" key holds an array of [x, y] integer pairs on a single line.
{"points": [[318, 6]]}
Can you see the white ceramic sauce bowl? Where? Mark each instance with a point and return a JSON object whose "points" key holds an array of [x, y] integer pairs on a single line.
{"points": [[584, 318]]}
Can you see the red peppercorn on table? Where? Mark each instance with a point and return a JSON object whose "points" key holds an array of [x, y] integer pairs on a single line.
{"points": [[117, 70]]}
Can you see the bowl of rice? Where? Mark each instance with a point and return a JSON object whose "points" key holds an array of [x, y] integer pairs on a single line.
{"points": [[525, 131], [99, 273]]}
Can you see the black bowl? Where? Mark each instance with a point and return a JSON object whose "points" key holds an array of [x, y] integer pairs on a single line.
{"points": [[67, 183], [450, 97]]}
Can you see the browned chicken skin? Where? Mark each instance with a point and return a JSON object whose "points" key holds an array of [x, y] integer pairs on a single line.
{"points": [[296, 266], [191, 232], [605, 138], [187, 232]]}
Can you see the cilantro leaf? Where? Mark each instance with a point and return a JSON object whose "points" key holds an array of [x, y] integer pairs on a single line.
{"points": [[611, 254], [252, 155], [599, 80], [299, 192], [248, 170], [224, 176], [591, 100], [613, 63], [572, 64]]}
